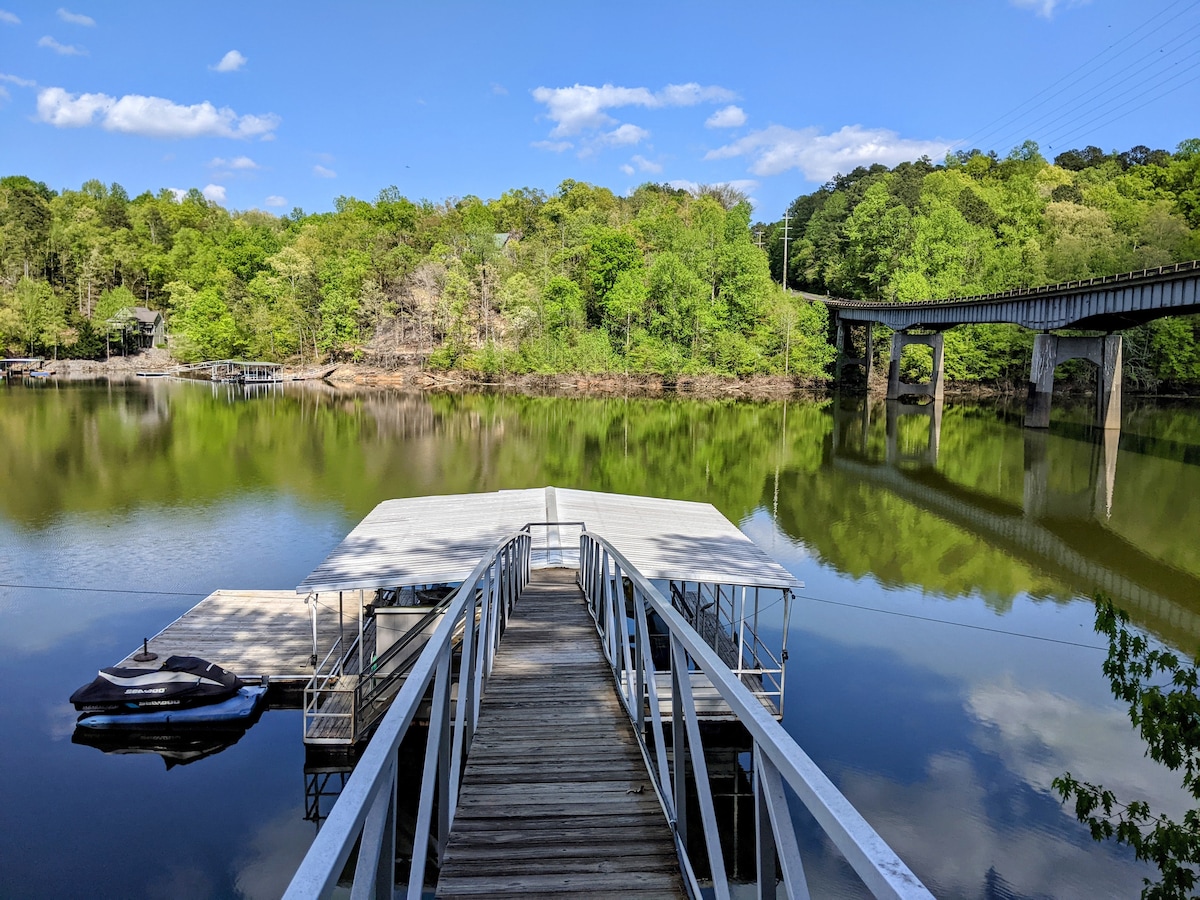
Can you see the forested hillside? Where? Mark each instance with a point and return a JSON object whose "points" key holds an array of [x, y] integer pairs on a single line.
{"points": [[977, 223], [662, 280]]}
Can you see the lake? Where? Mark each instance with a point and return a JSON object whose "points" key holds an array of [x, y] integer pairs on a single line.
{"points": [[943, 666]]}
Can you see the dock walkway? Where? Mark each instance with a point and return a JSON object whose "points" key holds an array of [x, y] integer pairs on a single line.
{"points": [[555, 797], [249, 633]]}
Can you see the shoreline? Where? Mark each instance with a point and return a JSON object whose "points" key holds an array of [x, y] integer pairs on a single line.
{"points": [[610, 384]]}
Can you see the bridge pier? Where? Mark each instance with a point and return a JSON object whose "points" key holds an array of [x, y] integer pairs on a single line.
{"points": [[845, 346], [1050, 350], [936, 386]]}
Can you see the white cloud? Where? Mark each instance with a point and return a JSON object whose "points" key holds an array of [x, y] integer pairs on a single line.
{"points": [[821, 156], [728, 117], [149, 116], [230, 62], [627, 168], [8, 18], [499, 90], [626, 135], [241, 163], [179, 193], [1040, 735], [1046, 8], [75, 18], [275, 200], [582, 107], [553, 146], [642, 164], [214, 192], [322, 172], [19, 82], [64, 49], [5, 96]]}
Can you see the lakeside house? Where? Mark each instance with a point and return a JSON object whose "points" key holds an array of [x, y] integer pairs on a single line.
{"points": [[141, 328]]}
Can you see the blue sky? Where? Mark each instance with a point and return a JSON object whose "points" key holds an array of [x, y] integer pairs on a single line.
{"points": [[277, 105]]}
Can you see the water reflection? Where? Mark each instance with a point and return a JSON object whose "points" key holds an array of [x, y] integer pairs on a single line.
{"points": [[942, 664], [176, 748], [1061, 524]]}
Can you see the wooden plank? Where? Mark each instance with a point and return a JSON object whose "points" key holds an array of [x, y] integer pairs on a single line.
{"points": [[555, 796], [250, 633]]}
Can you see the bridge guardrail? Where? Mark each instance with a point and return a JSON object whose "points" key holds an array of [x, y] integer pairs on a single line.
{"points": [[1014, 293]]}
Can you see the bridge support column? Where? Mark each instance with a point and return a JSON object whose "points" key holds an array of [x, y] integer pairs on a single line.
{"points": [[845, 347], [936, 386], [1049, 350]]}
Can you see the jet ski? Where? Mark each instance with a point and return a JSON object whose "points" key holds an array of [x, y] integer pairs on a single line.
{"points": [[238, 710], [182, 682]]}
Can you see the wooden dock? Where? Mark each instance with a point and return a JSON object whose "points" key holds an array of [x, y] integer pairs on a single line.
{"points": [[555, 798], [249, 633]]}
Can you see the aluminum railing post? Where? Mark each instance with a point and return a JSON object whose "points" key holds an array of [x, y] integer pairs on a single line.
{"points": [[660, 749], [785, 848], [429, 778], [639, 666], [708, 815], [764, 837], [678, 746], [464, 718]]}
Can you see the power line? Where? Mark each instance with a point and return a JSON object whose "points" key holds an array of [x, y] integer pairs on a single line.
{"points": [[904, 615], [888, 612], [993, 126], [95, 590], [1097, 95], [1134, 102]]}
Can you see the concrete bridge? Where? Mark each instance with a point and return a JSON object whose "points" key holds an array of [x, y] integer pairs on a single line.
{"points": [[1109, 304]]}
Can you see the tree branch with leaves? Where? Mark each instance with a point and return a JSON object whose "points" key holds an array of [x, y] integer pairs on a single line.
{"points": [[1161, 690]]}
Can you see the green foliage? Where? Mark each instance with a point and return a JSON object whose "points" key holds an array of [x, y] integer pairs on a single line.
{"points": [[663, 280], [1164, 706], [979, 224]]}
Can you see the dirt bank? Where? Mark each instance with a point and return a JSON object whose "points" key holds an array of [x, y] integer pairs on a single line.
{"points": [[358, 376]]}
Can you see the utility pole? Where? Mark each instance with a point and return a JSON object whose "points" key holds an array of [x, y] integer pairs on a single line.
{"points": [[786, 219]]}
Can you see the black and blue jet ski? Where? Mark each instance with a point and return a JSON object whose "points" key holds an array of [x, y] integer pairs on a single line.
{"points": [[182, 682]]}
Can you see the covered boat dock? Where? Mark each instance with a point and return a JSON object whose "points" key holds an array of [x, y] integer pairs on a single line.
{"points": [[406, 548]]}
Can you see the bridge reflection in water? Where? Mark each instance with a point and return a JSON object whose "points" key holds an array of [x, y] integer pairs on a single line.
{"points": [[1064, 533]]}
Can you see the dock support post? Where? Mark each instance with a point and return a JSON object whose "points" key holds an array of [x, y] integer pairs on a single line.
{"points": [[1049, 350], [936, 386]]}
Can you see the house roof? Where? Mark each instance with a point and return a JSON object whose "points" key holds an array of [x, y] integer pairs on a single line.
{"points": [[141, 313]]}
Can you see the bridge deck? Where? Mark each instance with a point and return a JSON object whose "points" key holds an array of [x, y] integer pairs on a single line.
{"points": [[555, 797]]}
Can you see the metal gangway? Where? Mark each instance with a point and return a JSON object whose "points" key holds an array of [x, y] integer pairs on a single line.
{"points": [[448, 683]]}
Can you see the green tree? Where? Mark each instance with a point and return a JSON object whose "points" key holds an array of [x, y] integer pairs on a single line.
{"points": [[1163, 693]]}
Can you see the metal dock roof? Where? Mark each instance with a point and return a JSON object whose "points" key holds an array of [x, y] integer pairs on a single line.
{"points": [[429, 540]]}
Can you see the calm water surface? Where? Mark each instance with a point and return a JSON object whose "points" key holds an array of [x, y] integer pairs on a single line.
{"points": [[943, 667]]}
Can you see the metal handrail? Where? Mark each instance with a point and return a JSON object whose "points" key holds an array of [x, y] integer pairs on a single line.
{"points": [[751, 655], [778, 759], [365, 813], [373, 685]]}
